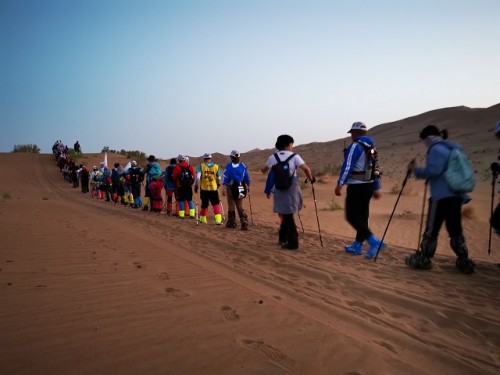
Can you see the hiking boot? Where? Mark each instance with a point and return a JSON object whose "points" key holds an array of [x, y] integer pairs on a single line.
{"points": [[231, 221], [465, 265], [375, 245], [418, 261], [290, 246], [356, 248]]}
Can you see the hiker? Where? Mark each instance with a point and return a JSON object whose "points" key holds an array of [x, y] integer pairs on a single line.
{"points": [[495, 169], [77, 148], [135, 175], [282, 166], [151, 170], [105, 184], [445, 205], [169, 186], [117, 190], [360, 173], [83, 174], [155, 186], [94, 182], [208, 179], [184, 177], [236, 184]]}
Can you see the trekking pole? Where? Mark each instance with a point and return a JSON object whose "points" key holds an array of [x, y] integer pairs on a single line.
{"points": [[408, 174], [493, 183], [300, 219], [316, 210], [422, 216], [250, 203], [222, 209], [196, 203]]}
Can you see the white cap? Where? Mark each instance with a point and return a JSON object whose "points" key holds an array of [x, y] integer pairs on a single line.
{"points": [[181, 157], [133, 163], [235, 154], [358, 125], [207, 155]]}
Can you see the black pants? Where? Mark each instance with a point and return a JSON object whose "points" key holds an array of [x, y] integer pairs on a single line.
{"points": [[288, 231], [209, 196], [447, 210], [357, 209]]}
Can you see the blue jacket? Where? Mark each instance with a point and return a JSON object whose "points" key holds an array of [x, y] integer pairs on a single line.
{"points": [[168, 181], [269, 182], [354, 161], [436, 162], [238, 173]]}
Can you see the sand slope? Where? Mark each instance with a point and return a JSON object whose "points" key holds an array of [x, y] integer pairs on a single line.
{"points": [[88, 287]]}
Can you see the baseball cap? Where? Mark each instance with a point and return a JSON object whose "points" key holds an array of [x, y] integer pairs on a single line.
{"points": [[207, 155], [133, 163], [358, 125], [181, 157], [497, 128], [235, 154]]}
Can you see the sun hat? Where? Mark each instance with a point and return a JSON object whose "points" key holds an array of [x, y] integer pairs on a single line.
{"points": [[235, 154], [207, 155], [358, 125]]}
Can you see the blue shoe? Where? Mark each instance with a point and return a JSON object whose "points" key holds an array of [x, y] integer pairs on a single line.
{"points": [[356, 248], [375, 244]]}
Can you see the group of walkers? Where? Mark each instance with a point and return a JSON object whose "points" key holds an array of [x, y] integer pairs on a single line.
{"points": [[360, 174]]}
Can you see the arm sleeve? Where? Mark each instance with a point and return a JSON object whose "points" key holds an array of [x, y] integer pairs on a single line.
{"points": [[352, 155]]}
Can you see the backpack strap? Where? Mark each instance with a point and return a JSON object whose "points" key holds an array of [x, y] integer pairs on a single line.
{"points": [[284, 161]]}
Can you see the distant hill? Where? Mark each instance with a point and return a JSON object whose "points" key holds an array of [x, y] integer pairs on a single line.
{"points": [[398, 142]]}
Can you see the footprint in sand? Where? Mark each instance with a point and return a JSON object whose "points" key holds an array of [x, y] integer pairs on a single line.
{"points": [[276, 356], [177, 293], [228, 313], [138, 265]]}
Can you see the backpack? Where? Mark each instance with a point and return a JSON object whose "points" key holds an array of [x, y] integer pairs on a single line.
{"points": [[372, 169], [186, 178], [458, 173], [282, 176]]}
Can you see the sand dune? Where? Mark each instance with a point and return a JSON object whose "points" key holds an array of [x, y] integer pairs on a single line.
{"points": [[89, 287]]}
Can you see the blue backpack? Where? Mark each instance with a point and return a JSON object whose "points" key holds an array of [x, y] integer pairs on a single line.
{"points": [[458, 173]]}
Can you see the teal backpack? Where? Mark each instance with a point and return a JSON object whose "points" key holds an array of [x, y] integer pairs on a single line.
{"points": [[458, 173]]}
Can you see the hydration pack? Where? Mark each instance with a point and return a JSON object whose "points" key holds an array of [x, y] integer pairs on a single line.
{"points": [[372, 169], [458, 173], [282, 177], [186, 177]]}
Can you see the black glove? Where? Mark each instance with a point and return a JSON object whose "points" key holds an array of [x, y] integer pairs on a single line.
{"points": [[196, 189], [312, 180]]}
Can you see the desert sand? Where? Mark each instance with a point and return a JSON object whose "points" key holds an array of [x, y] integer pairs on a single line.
{"points": [[90, 287]]}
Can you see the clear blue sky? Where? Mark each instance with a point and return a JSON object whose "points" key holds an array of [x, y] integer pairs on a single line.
{"points": [[170, 77]]}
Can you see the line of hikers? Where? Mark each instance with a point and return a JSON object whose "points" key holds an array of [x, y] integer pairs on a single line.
{"points": [[447, 172], [125, 184]]}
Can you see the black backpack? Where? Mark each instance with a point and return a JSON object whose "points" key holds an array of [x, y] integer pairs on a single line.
{"points": [[282, 176], [186, 177]]}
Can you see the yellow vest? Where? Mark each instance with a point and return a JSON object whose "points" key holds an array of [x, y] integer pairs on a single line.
{"points": [[209, 177]]}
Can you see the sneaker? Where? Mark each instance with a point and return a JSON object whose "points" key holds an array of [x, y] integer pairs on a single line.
{"points": [[356, 248], [375, 246]]}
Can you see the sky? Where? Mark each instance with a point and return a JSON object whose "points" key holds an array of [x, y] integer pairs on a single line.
{"points": [[196, 76]]}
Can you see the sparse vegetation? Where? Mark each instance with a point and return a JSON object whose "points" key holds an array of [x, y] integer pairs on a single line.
{"points": [[333, 205], [29, 148], [6, 196], [329, 169]]}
